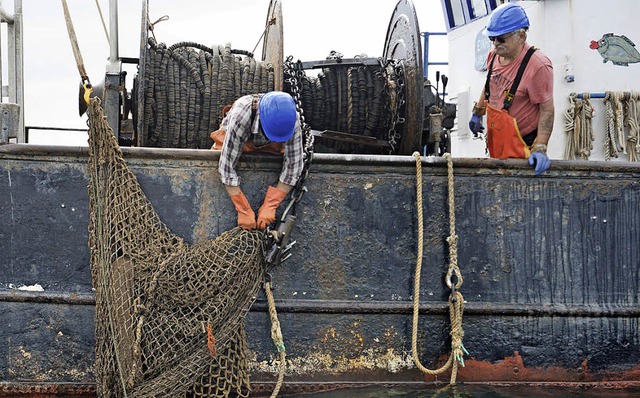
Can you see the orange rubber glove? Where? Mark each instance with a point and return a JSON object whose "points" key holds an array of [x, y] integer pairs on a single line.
{"points": [[246, 216], [267, 212]]}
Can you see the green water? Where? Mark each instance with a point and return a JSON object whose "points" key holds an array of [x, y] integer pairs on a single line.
{"points": [[471, 391]]}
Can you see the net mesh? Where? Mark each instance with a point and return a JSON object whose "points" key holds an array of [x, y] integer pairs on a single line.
{"points": [[169, 314]]}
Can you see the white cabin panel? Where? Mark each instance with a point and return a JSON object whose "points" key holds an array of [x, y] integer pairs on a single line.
{"points": [[564, 30]]}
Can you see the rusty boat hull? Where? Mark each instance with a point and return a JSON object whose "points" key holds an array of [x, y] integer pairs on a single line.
{"points": [[550, 265]]}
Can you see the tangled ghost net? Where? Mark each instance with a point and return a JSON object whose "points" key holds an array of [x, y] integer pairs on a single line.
{"points": [[169, 314]]}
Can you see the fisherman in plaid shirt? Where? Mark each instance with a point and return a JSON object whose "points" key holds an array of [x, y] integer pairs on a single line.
{"points": [[271, 125]]}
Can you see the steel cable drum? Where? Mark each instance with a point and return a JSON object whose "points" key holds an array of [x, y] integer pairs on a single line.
{"points": [[403, 43]]}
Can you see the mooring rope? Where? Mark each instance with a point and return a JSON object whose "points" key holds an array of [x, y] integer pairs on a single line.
{"points": [[570, 128], [276, 336], [456, 300]]}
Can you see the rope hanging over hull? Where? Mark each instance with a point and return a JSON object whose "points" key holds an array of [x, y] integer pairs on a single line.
{"points": [[161, 302]]}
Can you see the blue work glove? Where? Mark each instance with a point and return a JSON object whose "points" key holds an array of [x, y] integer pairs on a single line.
{"points": [[475, 124], [540, 161]]}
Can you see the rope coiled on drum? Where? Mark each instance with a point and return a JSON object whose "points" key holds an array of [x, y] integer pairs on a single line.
{"points": [[187, 84], [350, 99]]}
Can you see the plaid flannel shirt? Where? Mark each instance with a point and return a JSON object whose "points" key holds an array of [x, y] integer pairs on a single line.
{"points": [[240, 129]]}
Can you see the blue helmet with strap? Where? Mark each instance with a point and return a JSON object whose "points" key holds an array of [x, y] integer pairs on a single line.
{"points": [[506, 18], [278, 115]]}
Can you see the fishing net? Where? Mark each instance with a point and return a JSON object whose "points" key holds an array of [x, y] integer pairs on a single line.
{"points": [[169, 314]]}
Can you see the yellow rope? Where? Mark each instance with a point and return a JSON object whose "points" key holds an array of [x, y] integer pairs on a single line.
{"points": [[456, 301], [276, 336]]}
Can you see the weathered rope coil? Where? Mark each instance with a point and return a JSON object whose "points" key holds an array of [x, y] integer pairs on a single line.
{"points": [[614, 142], [579, 128], [632, 123], [622, 121]]}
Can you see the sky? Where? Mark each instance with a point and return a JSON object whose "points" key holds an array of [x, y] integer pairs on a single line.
{"points": [[311, 30]]}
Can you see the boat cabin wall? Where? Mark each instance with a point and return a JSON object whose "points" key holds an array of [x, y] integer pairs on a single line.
{"points": [[563, 30]]}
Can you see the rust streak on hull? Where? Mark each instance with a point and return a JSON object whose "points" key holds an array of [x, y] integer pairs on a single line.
{"points": [[513, 370]]}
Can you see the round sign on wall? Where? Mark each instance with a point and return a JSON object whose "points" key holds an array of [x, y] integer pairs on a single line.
{"points": [[482, 48]]}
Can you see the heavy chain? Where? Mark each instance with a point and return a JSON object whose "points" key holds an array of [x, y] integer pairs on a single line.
{"points": [[293, 75], [397, 119], [276, 246]]}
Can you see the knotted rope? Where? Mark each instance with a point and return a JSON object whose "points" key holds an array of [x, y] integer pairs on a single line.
{"points": [[579, 128], [456, 301], [151, 25], [632, 122], [614, 133]]}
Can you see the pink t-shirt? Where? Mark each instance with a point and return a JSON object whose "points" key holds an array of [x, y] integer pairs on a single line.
{"points": [[536, 87]]}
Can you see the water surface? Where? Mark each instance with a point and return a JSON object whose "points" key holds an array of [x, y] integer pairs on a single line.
{"points": [[474, 391]]}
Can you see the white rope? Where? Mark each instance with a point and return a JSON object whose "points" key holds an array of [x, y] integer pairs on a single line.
{"points": [[579, 128], [569, 128], [610, 147], [104, 26], [632, 122], [619, 122]]}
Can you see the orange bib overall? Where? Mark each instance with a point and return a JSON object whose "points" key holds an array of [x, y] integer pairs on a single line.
{"points": [[503, 135]]}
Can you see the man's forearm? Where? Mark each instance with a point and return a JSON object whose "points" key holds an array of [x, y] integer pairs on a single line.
{"points": [[233, 190], [284, 187], [545, 124]]}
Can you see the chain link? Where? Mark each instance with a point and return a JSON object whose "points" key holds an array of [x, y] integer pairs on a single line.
{"points": [[394, 135], [294, 75]]}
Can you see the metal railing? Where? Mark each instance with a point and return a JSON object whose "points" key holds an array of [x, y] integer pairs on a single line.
{"points": [[12, 94], [426, 62]]}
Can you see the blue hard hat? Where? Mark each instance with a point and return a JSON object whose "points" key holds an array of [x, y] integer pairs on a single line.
{"points": [[277, 115], [506, 18]]}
